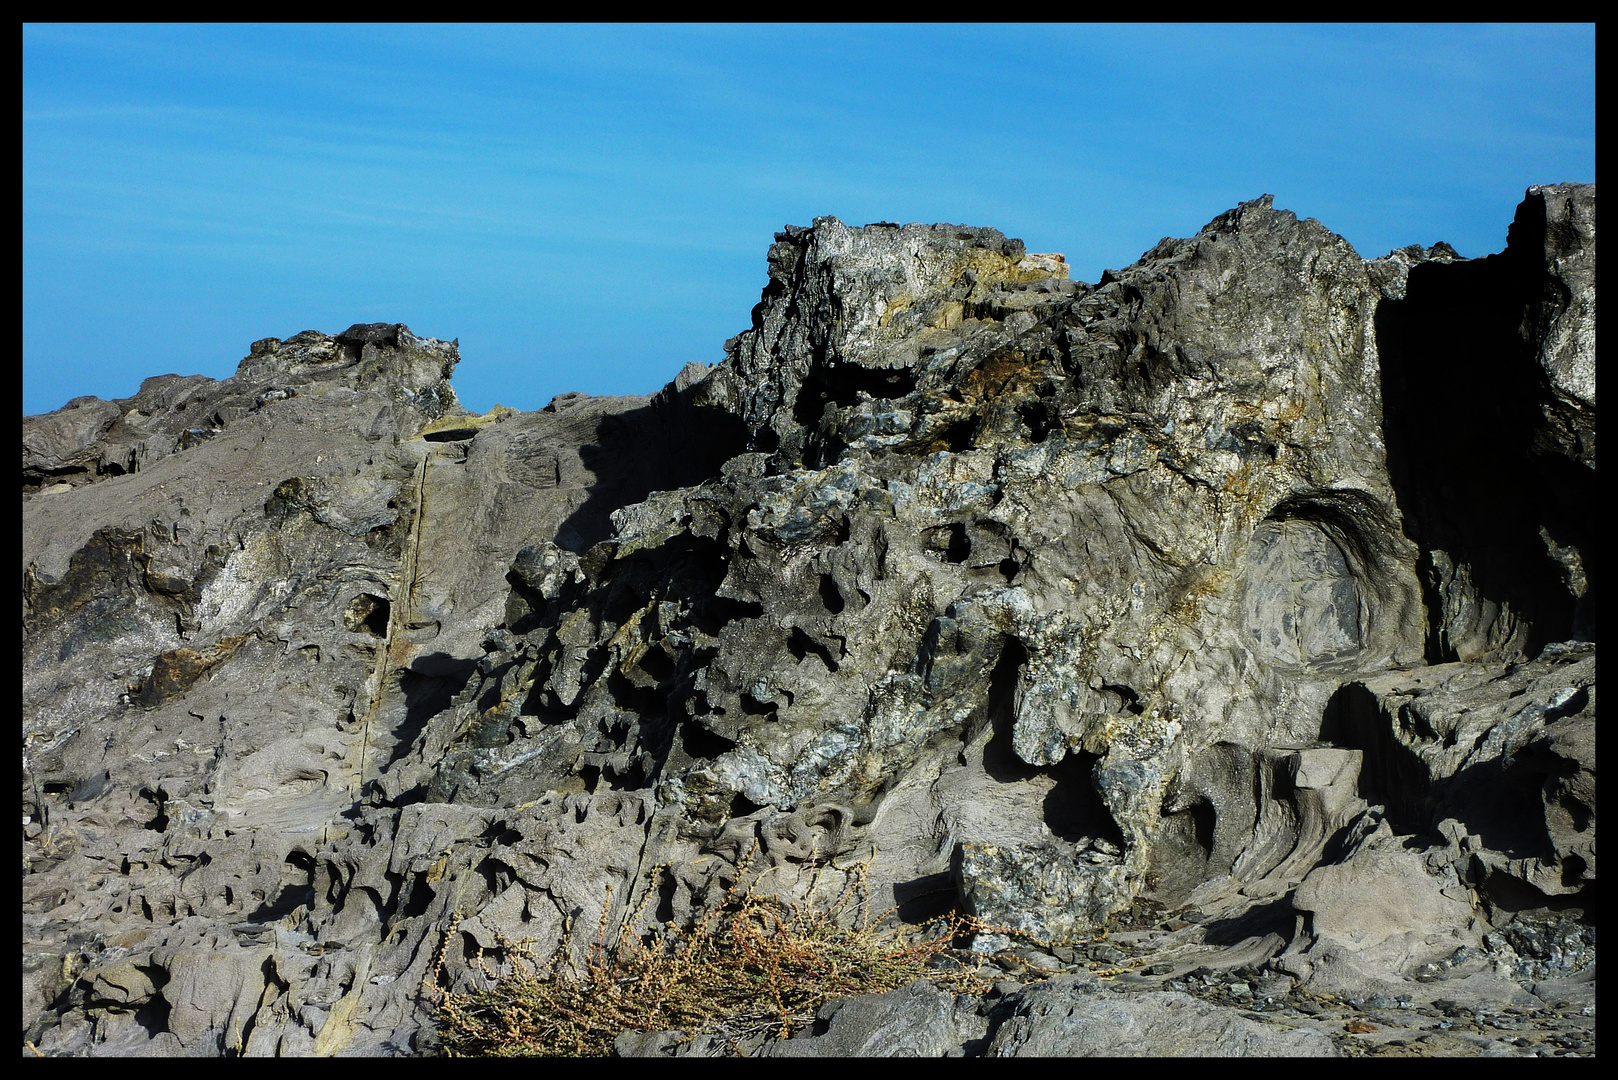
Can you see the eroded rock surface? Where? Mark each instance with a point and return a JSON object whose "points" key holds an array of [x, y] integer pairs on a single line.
{"points": [[1240, 606]]}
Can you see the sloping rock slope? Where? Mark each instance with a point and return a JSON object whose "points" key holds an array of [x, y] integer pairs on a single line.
{"points": [[1245, 598]]}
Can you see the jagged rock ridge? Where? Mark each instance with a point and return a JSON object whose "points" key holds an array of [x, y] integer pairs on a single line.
{"points": [[1252, 581]]}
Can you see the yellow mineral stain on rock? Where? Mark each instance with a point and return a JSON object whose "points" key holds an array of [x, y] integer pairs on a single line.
{"points": [[455, 428]]}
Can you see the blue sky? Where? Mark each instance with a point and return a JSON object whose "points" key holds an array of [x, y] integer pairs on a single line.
{"points": [[588, 208]]}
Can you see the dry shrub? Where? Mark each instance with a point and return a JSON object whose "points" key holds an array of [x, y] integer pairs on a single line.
{"points": [[751, 966]]}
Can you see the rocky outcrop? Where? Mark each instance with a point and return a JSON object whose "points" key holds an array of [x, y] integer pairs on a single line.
{"points": [[1255, 582]]}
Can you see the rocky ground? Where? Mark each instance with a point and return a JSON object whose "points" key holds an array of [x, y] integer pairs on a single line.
{"points": [[1220, 636], [1153, 984], [1451, 1011]]}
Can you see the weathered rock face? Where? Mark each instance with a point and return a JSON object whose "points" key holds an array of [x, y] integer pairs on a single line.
{"points": [[224, 646], [1200, 586], [1489, 375]]}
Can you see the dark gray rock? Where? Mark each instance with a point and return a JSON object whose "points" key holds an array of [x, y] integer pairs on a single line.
{"points": [[1488, 373]]}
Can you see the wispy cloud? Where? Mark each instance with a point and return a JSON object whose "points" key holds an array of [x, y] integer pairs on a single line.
{"points": [[525, 176]]}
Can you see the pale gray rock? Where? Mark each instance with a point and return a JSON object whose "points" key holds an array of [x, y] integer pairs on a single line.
{"points": [[1216, 599], [1561, 218], [1383, 906], [1497, 760], [1064, 1018], [917, 1020]]}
